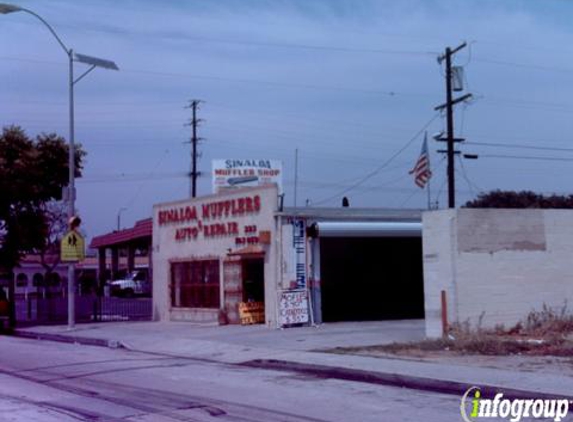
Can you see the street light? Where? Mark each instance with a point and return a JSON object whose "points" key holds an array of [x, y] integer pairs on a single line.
{"points": [[93, 62]]}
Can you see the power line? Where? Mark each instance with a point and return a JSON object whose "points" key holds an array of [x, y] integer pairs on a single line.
{"points": [[130, 178], [151, 175], [525, 65], [382, 166], [519, 146], [464, 174], [239, 80], [525, 157], [155, 35]]}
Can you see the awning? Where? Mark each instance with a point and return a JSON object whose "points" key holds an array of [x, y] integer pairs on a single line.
{"points": [[365, 229]]}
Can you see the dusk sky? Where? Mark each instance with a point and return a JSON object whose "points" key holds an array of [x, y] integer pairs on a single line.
{"points": [[350, 83]]}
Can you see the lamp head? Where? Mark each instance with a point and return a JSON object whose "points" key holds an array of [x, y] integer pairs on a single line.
{"points": [[6, 8]]}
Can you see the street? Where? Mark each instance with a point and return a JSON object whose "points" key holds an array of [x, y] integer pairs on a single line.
{"points": [[46, 381]]}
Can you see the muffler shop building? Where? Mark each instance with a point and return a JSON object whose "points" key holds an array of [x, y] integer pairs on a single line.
{"points": [[238, 257]]}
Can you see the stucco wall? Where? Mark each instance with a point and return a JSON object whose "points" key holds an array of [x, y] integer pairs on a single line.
{"points": [[497, 263], [167, 248]]}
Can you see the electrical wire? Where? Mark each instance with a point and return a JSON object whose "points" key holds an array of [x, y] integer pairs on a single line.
{"points": [[464, 174], [151, 174], [179, 37], [525, 157], [440, 191], [518, 146], [382, 166], [524, 65]]}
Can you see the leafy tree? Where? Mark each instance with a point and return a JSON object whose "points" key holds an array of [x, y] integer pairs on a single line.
{"points": [[32, 173], [522, 199]]}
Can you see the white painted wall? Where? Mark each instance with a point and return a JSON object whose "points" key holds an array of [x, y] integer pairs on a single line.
{"points": [[499, 263], [167, 249]]}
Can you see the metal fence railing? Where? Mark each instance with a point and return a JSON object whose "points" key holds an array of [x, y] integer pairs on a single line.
{"points": [[54, 310]]}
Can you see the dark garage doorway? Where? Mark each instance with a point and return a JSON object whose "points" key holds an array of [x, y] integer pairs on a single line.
{"points": [[368, 279]]}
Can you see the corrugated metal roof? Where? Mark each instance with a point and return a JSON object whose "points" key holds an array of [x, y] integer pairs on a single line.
{"points": [[367, 229]]}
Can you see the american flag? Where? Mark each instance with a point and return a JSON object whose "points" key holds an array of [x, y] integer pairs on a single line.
{"points": [[421, 170]]}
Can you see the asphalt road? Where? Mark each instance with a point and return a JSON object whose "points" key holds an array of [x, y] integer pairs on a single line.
{"points": [[47, 381]]}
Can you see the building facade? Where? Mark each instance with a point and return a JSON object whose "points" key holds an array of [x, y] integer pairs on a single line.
{"points": [[240, 257], [212, 253]]}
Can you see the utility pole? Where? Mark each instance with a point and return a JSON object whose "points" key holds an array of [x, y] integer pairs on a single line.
{"points": [[449, 106], [194, 105]]}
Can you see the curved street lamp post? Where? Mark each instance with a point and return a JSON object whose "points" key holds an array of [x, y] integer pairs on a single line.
{"points": [[93, 62]]}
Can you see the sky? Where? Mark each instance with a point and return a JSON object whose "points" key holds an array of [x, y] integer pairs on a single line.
{"points": [[349, 84]]}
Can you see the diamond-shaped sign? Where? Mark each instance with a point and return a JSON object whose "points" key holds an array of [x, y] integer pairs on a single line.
{"points": [[72, 247]]}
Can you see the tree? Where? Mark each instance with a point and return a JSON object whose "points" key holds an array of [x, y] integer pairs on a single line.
{"points": [[32, 173], [56, 226], [522, 199]]}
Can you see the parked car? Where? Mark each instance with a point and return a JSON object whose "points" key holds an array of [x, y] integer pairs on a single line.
{"points": [[134, 284]]}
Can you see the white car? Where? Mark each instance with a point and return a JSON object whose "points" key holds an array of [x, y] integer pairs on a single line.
{"points": [[135, 284]]}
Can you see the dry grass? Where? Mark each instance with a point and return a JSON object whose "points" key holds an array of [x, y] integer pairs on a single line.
{"points": [[543, 333]]}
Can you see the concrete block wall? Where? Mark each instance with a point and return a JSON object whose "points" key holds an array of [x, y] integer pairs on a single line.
{"points": [[498, 264]]}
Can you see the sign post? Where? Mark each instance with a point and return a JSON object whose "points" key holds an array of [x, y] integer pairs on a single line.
{"points": [[72, 249]]}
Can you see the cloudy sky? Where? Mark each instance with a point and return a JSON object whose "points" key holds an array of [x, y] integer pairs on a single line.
{"points": [[351, 84]]}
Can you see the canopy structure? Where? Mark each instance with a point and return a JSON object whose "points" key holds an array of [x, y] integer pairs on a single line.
{"points": [[138, 237]]}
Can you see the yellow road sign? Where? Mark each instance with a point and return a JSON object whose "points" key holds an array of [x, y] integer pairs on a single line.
{"points": [[72, 247]]}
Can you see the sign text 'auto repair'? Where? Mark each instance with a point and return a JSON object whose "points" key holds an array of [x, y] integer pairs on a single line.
{"points": [[206, 219]]}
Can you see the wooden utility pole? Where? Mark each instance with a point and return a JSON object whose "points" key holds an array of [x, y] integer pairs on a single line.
{"points": [[194, 174], [449, 106]]}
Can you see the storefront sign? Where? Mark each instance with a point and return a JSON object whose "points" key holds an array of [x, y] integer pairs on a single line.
{"points": [[293, 307], [230, 174], [251, 313], [214, 220]]}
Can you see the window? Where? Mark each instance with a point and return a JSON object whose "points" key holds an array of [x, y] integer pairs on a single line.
{"points": [[53, 279], [195, 284], [38, 280], [22, 280]]}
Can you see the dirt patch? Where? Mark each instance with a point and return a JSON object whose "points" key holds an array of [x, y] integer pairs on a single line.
{"points": [[542, 342]]}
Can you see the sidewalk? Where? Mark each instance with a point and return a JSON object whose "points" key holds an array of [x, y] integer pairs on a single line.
{"points": [[295, 349]]}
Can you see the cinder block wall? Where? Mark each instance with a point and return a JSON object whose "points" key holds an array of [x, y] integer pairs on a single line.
{"points": [[499, 263]]}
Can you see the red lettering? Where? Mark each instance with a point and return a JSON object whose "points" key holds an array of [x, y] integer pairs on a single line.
{"points": [[249, 204], [205, 211]]}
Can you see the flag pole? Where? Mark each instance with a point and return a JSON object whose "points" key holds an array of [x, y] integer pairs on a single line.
{"points": [[429, 195]]}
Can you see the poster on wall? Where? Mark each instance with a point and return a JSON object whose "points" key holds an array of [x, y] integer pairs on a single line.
{"points": [[293, 307], [236, 173]]}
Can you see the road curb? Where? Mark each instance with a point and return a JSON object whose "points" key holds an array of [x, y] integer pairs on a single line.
{"points": [[413, 382], [398, 380], [67, 338]]}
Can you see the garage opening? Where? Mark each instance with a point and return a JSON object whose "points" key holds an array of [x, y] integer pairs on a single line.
{"points": [[371, 278]]}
